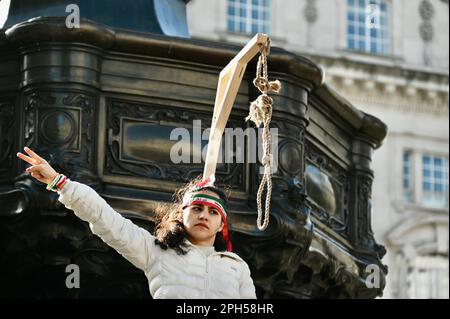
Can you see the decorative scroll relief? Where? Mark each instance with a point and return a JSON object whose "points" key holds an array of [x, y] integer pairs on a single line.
{"points": [[155, 142], [327, 186], [60, 119], [364, 187], [6, 135]]}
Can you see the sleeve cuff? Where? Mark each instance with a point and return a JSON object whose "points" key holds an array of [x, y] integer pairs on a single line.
{"points": [[65, 194]]}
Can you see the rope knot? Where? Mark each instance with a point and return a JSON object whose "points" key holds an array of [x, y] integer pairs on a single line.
{"points": [[265, 86], [262, 84], [260, 110], [274, 86], [266, 160]]}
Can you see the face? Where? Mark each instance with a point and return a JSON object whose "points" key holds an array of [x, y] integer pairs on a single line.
{"points": [[202, 223]]}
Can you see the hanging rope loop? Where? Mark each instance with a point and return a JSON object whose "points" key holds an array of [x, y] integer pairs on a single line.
{"points": [[261, 80], [261, 113]]}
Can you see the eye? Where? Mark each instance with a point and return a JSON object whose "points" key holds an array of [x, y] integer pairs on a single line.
{"points": [[196, 208], [214, 212]]}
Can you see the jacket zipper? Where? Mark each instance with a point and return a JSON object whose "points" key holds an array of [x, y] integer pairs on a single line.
{"points": [[207, 279]]}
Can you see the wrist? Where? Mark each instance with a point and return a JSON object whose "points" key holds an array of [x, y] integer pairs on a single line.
{"points": [[57, 183], [52, 178], [62, 184]]}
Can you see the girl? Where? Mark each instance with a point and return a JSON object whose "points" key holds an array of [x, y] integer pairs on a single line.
{"points": [[186, 256]]}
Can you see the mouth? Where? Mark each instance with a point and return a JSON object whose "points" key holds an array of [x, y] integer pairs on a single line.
{"points": [[202, 226]]}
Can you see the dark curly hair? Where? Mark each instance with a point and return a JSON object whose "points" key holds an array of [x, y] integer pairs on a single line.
{"points": [[169, 229]]}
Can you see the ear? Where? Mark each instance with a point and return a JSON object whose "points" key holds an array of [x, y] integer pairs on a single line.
{"points": [[221, 227]]}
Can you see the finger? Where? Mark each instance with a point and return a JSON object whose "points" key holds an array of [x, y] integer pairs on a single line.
{"points": [[34, 168], [27, 159], [33, 154]]}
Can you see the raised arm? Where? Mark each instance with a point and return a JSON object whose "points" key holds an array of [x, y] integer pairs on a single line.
{"points": [[133, 242]]}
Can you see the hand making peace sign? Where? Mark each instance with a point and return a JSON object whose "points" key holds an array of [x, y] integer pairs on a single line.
{"points": [[40, 169]]}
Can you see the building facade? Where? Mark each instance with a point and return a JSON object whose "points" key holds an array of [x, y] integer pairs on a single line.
{"points": [[390, 59]]}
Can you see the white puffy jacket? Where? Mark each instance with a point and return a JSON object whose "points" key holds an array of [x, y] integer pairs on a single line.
{"points": [[194, 275]]}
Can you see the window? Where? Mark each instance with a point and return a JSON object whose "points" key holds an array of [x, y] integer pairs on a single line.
{"points": [[248, 16], [367, 26], [429, 186], [434, 181], [428, 278], [407, 181]]}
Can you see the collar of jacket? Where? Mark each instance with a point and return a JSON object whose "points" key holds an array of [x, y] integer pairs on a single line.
{"points": [[220, 253]]}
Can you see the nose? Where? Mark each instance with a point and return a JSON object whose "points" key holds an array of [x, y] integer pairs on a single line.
{"points": [[204, 213]]}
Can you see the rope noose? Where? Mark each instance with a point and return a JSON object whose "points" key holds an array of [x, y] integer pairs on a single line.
{"points": [[261, 112]]}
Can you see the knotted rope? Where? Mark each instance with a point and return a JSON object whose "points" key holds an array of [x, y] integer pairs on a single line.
{"points": [[261, 112]]}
